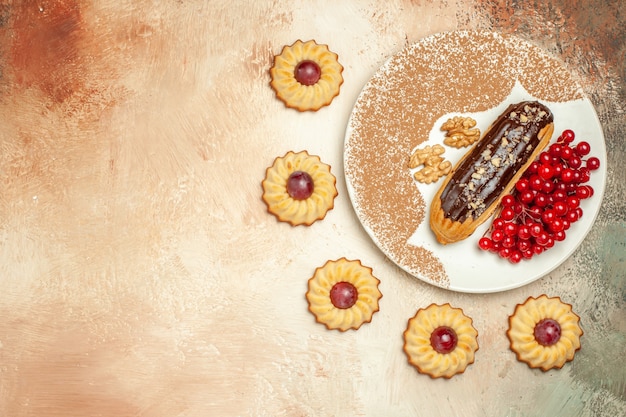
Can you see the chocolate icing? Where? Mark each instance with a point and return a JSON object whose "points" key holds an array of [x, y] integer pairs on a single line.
{"points": [[482, 175]]}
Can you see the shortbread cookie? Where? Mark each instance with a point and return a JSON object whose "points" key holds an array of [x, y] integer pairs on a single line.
{"points": [[343, 294], [299, 189], [544, 332], [306, 76], [440, 341]]}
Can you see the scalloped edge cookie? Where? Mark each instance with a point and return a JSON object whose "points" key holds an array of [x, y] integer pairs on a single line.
{"points": [[306, 97], [424, 357], [522, 326], [321, 284], [288, 209]]}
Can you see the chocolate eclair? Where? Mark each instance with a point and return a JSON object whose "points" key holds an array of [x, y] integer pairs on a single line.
{"points": [[489, 170]]}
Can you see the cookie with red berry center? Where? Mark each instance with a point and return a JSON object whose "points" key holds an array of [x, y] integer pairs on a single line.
{"points": [[343, 294], [299, 188], [306, 76], [440, 341], [544, 332]]}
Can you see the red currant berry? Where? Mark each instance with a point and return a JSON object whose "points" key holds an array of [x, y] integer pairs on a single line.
{"points": [[536, 230], [560, 208], [559, 236], [545, 171], [585, 174], [535, 212], [593, 163], [548, 216], [547, 332], [584, 191], [573, 202], [522, 185], [485, 243], [443, 339], [508, 200], [555, 149], [497, 235], [542, 239], [575, 162], [307, 72], [527, 197], [536, 182], [509, 242], [567, 175], [548, 187], [566, 152], [507, 214], [515, 257], [559, 195], [556, 225], [541, 200], [545, 159], [510, 229], [299, 185], [532, 168], [523, 245], [523, 232], [579, 211], [583, 148], [572, 216], [343, 295], [568, 136], [557, 169]]}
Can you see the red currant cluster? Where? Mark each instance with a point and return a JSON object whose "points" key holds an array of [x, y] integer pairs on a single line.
{"points": [[544, 203]]}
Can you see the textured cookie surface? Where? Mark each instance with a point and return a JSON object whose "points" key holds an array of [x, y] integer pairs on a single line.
{"points": [[525, 325]]}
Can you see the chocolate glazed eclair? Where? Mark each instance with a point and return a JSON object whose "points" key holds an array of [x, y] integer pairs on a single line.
{"points": [[489, 170]]}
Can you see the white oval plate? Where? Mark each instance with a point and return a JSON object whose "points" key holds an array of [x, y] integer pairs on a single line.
{"points": [[469, 269]]}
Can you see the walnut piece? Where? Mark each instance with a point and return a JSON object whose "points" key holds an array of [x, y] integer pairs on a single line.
{"points": [[435, 166], [432, 173], [426, 154], [460, 132]]}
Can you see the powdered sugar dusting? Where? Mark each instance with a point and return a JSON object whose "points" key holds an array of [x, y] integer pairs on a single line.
{"points": [[462, 71]]}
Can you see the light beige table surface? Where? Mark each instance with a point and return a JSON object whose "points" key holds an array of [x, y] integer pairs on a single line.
{"points": [[140, 274]]}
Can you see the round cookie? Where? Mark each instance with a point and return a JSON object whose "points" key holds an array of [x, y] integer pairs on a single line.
{"points": [[544, 332], [343, 294], [306, 75], [440, 341], [299, 189]]}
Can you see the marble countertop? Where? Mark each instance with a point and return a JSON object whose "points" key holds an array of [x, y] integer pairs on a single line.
{"points": [[141, 273]]}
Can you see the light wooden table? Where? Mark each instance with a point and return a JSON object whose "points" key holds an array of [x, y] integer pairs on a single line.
{"points": [[140, 274]]}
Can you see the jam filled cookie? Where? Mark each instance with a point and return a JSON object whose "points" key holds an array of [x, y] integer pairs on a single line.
{"points": [[306, 76], [440, 341], [544, 332], [343, 294], [299, 189]]}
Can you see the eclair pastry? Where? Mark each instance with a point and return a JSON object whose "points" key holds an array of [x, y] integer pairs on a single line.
{"points": [[489, 170]]}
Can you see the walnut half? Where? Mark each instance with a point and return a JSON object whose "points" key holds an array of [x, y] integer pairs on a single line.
{"points": [[434, 166], [460, 132]]}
